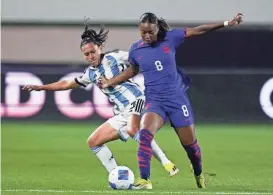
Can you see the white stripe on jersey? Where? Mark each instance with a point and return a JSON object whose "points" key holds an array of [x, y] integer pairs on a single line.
{"points": [[128, 94], [108, 69]]}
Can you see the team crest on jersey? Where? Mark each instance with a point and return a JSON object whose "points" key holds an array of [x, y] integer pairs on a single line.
{"points": [[166, 49]]}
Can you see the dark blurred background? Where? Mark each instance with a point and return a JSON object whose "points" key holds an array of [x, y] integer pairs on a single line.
{"points": [[231, 69]]}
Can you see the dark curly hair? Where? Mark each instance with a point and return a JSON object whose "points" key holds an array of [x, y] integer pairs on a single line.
{"points": [[90, 35]]}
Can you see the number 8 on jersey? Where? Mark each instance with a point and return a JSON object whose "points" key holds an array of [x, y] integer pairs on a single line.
{"points": [[158, 65]]}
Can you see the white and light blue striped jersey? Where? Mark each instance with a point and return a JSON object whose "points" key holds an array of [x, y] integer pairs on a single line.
{"points": [[113, 64]]}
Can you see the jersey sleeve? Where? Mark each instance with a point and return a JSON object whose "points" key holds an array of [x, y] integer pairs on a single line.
{"points": [[177, 36], [124, 55], [131, 57], [124, 60], [83, 79]]}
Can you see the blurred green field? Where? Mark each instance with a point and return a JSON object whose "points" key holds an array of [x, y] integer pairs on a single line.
{"points": [[54, 159]]}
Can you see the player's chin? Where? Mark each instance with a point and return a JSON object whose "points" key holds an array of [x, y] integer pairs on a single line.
{"points": [[93, 63], [148, 42]]}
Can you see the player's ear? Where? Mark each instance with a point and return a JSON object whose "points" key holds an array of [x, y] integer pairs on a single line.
{"points": [[157, 29]]}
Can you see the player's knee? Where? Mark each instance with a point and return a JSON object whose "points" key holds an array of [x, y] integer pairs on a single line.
{"points": [[187, 142], [133, 129], [92, 141], [186, 135]]}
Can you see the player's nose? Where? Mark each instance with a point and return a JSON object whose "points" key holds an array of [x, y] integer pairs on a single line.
{"points": [[91, 57], [147, 36]]}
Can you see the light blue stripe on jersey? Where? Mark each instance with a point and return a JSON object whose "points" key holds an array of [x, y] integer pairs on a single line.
{"points": [[132, 88], [115, 71], [91, 75], [114, 68], [101, 70], [119, 96]]}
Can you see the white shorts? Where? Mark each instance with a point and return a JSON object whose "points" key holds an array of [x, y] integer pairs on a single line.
{"points": [[119, 121]]}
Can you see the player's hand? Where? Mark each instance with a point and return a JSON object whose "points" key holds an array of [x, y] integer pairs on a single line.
{"points": [[32, 88], [103, 82], [236, 20]]}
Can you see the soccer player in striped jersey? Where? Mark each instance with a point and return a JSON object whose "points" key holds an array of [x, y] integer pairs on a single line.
{"points": [[128, 98]]}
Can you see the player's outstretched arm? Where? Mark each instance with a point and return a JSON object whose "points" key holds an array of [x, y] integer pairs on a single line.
{"points": [[130, 72], [57, 86], [210, 27]]}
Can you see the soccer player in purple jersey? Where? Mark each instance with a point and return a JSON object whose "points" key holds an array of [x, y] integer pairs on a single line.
{"points": [[154, 57]]}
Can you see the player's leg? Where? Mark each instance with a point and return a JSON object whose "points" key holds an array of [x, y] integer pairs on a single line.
{"points": [[103, 134], [150, 123], [183, 122], [133, 127], [189, 142]]}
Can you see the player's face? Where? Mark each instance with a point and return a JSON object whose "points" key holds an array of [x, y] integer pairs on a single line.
{"points": [[148, 32], [92, 53]]}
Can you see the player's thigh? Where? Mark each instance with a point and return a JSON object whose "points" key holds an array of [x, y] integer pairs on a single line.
{"points": [[186, 134], [154, 116], [182, 119], [180, 113], [133, 124], [152, 122], [103, 134], [119, 122], [134, 115]]}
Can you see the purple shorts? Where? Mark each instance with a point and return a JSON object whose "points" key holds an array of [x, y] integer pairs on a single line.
{"points": [[178, 110]]}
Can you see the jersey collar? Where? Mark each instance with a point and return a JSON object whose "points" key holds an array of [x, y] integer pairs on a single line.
{"points": [[142, 44]]}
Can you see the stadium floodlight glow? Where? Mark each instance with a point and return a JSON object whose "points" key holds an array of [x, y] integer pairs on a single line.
{"points": [[265, 98]]}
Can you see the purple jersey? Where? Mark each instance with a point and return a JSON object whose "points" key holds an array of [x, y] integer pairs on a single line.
{"points": [[158, 65]]}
